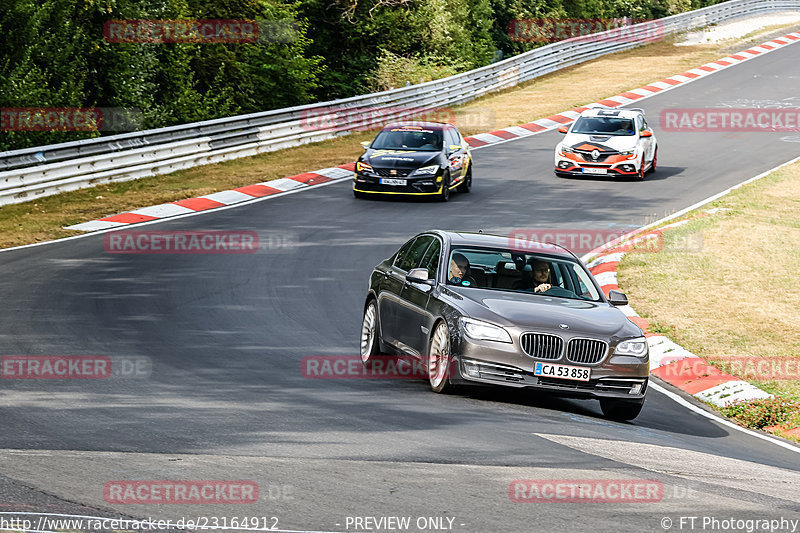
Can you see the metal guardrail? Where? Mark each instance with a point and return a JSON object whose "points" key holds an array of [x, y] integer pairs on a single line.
{"points": [[35, 172]]}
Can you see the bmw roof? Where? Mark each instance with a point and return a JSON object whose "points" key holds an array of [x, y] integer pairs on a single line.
{"points": [[489, 240]]}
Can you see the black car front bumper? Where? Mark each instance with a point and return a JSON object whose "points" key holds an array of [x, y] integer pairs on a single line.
{"points": [[425, 185]]}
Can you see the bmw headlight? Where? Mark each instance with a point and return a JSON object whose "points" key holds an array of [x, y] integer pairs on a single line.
{"points": [[636, 347], [427, 171], [480, 330]]}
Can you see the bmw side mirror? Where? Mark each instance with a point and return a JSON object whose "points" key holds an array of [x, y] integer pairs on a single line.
{"points": [[420, 275], [647, 133], [365, 144], [563, 129], [617, 298]]}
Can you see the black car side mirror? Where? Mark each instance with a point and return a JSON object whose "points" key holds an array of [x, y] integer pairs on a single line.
{"points": [[617, 298], [420, 275]]}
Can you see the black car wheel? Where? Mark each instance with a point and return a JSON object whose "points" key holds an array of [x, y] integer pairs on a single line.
{"points": [[467, 183], [439, 360], [370, 334], [445, 194], [621, 410]]}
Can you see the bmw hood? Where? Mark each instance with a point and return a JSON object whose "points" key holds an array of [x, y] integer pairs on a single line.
{"points": [[602, 143], [400, 158], [545, 314]]}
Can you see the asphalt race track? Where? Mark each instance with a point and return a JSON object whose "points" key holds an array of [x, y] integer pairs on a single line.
{"points": [[224, 336]]}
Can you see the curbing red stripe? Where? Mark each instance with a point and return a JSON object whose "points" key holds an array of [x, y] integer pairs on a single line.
{"points": [[503, 134], [768, 47], [532, 127], [692, 375], [128, 218], [609, 287], [792, 37], [723, 62], [257, 190], [473, 142], [632, 96], [753, 51], [690, 75], [737, 56], [310, 178], [561, 119], [641, 322], [611, 266], [652, 88], [199, 204], [348, 166], [707, 69], [581, 109], [671, 81], [609, 102]]}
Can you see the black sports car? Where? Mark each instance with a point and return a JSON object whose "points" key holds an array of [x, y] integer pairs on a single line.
{"points": [[414, 158], [475, 309]]}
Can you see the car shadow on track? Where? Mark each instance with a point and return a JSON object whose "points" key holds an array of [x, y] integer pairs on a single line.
{"points": [[651, 418]]}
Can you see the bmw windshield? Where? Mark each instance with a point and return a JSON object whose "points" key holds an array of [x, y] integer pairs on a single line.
{"points": [[604, 126], [504, 270]]}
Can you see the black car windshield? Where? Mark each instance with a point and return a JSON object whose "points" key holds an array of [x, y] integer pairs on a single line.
{"points": [[506, 270], [417, 139], [604, 126]]}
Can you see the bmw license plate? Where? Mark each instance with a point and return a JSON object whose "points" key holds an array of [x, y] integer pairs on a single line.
{"points": [[392, 181], [577, 373], [587, 170]]}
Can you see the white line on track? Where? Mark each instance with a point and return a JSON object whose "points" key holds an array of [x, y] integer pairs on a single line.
{"points": [[685, 403]]}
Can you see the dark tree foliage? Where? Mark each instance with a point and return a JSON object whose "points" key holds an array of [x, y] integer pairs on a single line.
{"points": [[53, 54]]}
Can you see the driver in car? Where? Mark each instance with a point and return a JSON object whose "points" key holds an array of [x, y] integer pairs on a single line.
{"points": [[541, 276]]}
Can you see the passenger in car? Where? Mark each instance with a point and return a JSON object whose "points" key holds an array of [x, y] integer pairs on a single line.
{"points": [[459, 270]]}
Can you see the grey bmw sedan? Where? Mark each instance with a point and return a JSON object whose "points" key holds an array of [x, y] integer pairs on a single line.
{"points": [[478, 309]]}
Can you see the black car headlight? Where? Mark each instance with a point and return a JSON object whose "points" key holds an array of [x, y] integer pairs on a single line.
{"points": [[427, 171], [363, 167], [480, 330], [636, 347]]}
